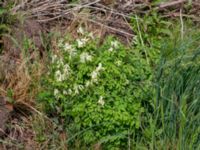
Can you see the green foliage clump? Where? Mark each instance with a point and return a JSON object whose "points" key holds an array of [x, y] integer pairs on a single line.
{"points": [[6, 19], [150, 30], [178, 92], [175, 119], [99, 91]]}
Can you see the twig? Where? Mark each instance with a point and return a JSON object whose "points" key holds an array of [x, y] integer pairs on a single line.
{"points": [[113, 11], [182, 26], [111, 28], [35, 110], [183, 15], [91, 20], [169, 4]]}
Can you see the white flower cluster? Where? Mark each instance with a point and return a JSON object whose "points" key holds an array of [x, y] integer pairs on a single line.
{"points": [[57, 60], [66, 47], [94, 75], [101, 101], [60, 43], [81, 30], [86, 37], [64, 92], [63, 70], [96, 72], [76, 89], [56, 93], [85, 57], [114, 45], [59, 63], [82, 42], [69, 49], [67, 92], [62, 75]]}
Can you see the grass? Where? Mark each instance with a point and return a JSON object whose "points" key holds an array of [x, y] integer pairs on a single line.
{"points": [[178, 94], [175, 120]]}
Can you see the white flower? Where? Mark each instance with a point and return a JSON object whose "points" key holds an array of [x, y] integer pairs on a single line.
{"points": [[72, 52], [115, 44], [88, 83], [91, 35], [58, 75], [94, 75], [99, 67], [127, 81], [110, 49], [81, 30], [80, 87], [84, 57], [60, 63], [56, 92], [66, 70], [76, 89], [96, 72], [67, 47], [64, 92], [81, 42], [69, 91], [101, 101], [54, 58]]}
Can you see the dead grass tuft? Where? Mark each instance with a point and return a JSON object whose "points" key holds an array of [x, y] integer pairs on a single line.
{"points": [[21, 78]]}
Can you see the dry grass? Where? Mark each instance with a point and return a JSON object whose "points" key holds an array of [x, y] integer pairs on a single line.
{"points": [[33, 132], [103, 19], [21, 78]]}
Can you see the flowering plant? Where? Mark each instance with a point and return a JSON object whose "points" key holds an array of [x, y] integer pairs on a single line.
{"points": [[97, 89]]}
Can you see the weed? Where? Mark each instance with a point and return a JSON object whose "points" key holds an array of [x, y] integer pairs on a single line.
{"points": [[6, 19], [98, 90]]}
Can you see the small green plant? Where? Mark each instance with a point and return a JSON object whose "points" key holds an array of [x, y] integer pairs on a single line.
{"points": [[6, 19], [150, 30], [98, 91]]}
